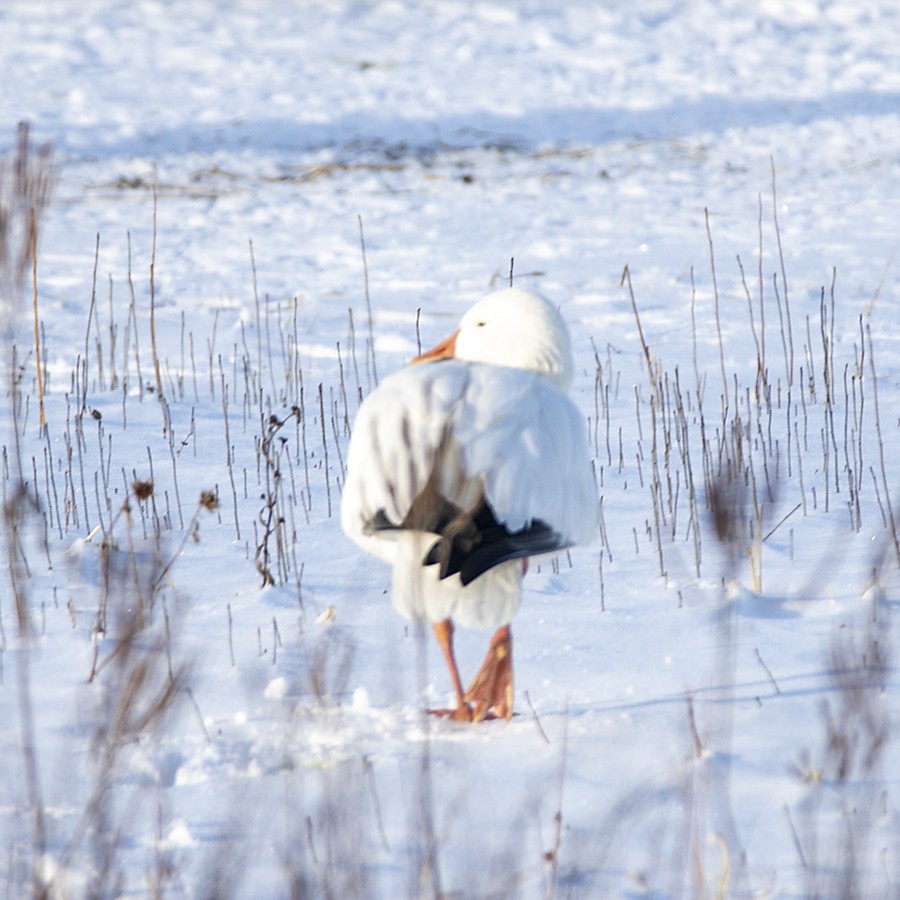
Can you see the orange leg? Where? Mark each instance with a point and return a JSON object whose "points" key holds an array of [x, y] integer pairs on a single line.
{"points": [[492, 687], [443, 631]]}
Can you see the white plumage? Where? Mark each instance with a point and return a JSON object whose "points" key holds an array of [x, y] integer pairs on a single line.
{"points": [[480, 429], [472, 464]]}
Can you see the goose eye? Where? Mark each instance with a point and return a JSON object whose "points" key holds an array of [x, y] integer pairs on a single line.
{"points": [[480, 324]]}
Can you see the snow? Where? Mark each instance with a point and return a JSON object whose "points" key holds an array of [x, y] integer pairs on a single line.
{"points": [[685, 718]]}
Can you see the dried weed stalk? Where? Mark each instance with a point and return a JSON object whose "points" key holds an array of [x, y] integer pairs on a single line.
{"points": [[25, 186]]}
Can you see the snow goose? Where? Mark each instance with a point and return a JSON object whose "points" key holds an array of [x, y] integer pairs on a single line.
{"points": [[457, 472]]}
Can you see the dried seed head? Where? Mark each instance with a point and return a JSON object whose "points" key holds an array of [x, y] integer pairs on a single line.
{"points": [[209, 500], [143, 490]]}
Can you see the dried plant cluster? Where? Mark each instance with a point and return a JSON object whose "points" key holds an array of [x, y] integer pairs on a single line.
{"points": [[724, 462]]}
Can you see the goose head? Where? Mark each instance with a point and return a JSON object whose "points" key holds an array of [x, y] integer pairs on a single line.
{"points": [[512, 327]]}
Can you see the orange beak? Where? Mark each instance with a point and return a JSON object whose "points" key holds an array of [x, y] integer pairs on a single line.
{"points": [[446, 349]]}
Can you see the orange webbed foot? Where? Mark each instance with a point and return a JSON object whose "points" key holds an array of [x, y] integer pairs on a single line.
{"points": [[491, 691], [462, 713]]}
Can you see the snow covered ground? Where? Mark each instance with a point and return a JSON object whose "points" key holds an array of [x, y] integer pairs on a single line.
{"points": [[696, 716]]}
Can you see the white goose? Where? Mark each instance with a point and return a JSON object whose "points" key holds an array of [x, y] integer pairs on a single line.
{"points": [[460, 471]]}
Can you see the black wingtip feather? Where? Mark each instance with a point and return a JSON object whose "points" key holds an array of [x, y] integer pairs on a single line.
{"points": [[475, 542], [470, 542]]}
